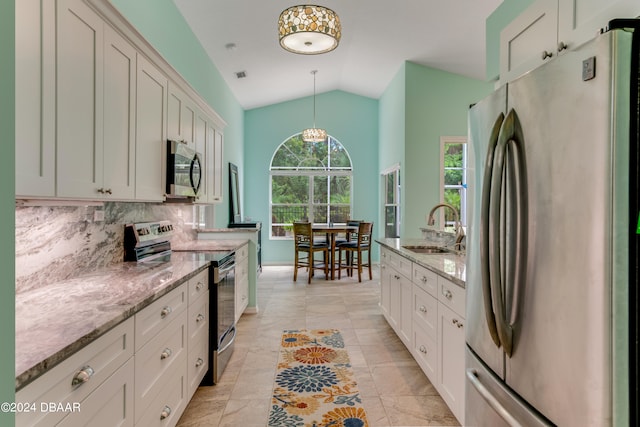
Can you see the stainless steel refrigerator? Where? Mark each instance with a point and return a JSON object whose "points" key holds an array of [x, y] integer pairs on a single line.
{"points": [[551, 245]]}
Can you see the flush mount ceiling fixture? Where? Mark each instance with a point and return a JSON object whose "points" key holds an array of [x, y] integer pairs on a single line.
{"points": [[309, 29], [314, 134]]}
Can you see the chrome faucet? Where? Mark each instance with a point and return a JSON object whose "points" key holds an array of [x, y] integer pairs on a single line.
{"points": [[458, 225]]}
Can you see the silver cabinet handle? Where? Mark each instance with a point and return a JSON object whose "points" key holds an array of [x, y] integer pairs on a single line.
{"points": [[165, 311], [82, 376], [423, 349], [166, 411], [166, 353], [447, 294], [423, 309], [562, 46], [199, 318], [546, 55], [199, 362]]}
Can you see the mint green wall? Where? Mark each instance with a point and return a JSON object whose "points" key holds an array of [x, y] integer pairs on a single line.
{"points": [[503, 15], [169, 33], [391, 114], [351, 119], [7, 206], [419, 106]]}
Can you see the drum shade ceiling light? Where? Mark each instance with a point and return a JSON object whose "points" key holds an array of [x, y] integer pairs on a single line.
{"points": [[314, 134], [309, 29]]}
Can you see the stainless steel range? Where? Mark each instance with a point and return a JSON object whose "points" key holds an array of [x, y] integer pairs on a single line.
{"points": [[149, 241]]}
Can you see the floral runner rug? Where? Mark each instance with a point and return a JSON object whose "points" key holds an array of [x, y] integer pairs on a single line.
{"points": [[315, 385]]}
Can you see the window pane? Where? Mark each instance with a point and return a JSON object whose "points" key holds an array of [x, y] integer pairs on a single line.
{"points": [[320, 214], [339, 156], [341, 189], [453, 176], [340, 214], [453, 197], [288, 214], [290, 189], [390, 184], [320, 189], [453, 155]]}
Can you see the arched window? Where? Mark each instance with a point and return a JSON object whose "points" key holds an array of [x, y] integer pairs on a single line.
{"points": [[310, 181]]}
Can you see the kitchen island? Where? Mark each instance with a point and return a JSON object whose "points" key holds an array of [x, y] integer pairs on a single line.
{"points": [[422, 297]]}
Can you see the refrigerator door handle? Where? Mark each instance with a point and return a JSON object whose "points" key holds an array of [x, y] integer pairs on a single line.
{"points": [[485, 219], [472, 376]]}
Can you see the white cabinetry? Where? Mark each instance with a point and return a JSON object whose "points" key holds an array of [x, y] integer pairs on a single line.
{"points": [[450, 385], [35, 98], [214, 165], [181, 117], [547, 28], [427, 313], [98, 380], [242, 280], [150, 132], [198, 331]]}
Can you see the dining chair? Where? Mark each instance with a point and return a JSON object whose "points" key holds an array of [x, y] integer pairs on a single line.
{"points": [[304, 244], [354, 252]]}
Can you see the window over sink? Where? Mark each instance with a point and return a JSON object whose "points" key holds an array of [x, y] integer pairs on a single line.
{"points": [[453, 179], [310, 181]]}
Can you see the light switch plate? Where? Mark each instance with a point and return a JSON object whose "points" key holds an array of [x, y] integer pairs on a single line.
{"points": [[589, 68]]}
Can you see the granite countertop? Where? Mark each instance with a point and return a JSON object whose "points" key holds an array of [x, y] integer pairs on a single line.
{"points": [[57, 320], [210, 245], [450, 265]]}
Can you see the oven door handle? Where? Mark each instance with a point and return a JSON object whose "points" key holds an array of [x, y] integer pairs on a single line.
{"points": [[233, 338]]}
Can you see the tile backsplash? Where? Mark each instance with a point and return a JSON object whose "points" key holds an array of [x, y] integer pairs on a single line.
{"points": [[55, 243]]}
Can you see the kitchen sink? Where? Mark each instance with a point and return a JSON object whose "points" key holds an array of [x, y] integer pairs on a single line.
{"points": [[424, 249]]}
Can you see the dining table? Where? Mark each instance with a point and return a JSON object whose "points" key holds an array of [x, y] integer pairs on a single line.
{"points": [[331, 231]]}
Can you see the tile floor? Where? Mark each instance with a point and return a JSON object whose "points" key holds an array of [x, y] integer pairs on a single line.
{"points": [[394, 390]]}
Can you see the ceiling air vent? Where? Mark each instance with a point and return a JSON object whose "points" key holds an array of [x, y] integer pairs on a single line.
{"points": [[241, 74]]}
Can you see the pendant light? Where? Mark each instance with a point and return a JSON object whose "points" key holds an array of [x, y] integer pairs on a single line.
{"points": [[309, 29], [314, 134]]}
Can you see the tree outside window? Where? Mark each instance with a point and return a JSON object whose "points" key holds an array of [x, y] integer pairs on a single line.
{"points": [[454, 178], [310, 181]]}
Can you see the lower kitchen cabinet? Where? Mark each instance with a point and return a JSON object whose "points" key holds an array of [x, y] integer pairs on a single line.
{"points": [[198, 331], [242, 280], [427, 314]]}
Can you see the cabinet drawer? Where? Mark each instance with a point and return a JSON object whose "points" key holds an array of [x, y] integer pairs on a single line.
{"points": [[197, 363], [198, 317], [425, 352], [168, 403], [111, 404], [158, 314], [158, 359], [426, 279], [242, 253], [399, 263], [425, 311], [453, 296], [103, 356], [198, 285]]}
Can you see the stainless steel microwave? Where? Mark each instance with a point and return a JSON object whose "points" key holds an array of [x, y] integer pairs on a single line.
{"points": [[184, 170]]}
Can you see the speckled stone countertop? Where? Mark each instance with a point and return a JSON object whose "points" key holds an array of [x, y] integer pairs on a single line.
{"points": [[451, 266], [57, 320]]}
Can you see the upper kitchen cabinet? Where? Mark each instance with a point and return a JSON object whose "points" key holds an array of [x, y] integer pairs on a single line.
{"points": [[548, 28], [213, 165], [35, 98], [150, 132], [181, 124]]}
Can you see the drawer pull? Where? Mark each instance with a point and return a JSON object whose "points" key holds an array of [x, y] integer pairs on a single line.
{"points": [[424, 279], [199, 362], [166, 353], [447, 294], [546, 55], [199, 286], [83, 376], [200, 318], [423, 309], [458, 323], [423, 349], [165, 311], [166, 411], [396, 276]]}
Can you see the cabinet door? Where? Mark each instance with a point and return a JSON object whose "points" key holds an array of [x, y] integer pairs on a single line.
{"points": [[580, 20], [217, 166], [201, 149], [395, 300], [188, 123], [451, 360], [79, 100], [524, 42], [385, 294], [35, 98], [242, 284], [150, 132], [111, 404], [174, 110], [406, 312], [119, 116]]}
